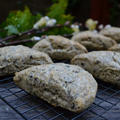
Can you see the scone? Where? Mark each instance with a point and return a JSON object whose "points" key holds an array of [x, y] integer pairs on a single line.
{"points": [[112, 32], [62, 85], [17, 58], [104, 65], [93, 41], [60, 48], [115, 48]]}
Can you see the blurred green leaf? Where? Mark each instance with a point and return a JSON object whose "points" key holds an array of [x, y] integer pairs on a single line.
{"points": [[58, 11], [11, 29], [19, 21], [59, 31], [22, 20]]}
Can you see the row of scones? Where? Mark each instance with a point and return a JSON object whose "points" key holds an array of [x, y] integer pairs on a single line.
{"points": [[71, 86]]}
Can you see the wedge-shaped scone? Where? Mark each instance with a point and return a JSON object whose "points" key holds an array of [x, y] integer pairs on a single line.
{"points": [[93, 41], [60, 48], [112, 32], [17, 58], [59, 84], [115, 48], [104, 65]]}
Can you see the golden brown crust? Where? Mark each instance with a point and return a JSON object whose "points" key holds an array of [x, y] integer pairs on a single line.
{"points": [[17, 58], [93, 41], [60, 48], [112, 32], [115, 48], [104, 65], [63, 85]]}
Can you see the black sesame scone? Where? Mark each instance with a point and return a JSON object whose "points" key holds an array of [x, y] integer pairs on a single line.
{"points": [[115, 48], [59, 48], [104, 65], [17, 58], [112, 32], [62, 85], [93, 41]]}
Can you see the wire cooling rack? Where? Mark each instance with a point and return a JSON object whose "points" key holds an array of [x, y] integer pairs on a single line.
{"points": [[16, 104]]}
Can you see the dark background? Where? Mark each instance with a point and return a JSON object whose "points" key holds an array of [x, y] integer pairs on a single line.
{"points": [[105, 11], [41, 6]]}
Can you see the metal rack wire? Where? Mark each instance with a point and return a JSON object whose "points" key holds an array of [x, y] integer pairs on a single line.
{"points": [[27, 107]]}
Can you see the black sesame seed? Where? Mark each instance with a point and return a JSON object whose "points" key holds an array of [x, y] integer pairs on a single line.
{"points": [[31, 76], [97, 62], [82, 64], [31, 57], [73, 106]]}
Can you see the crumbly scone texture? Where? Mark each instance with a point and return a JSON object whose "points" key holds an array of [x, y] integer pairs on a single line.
{"points": [[93, 41], [104, 65], [63, 85], [112, 32], [17, 58], [59, 48], [115, 48]]}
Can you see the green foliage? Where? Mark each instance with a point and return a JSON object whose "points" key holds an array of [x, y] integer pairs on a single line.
{"points": [[11, 29], [59, 31], [19, 21], [58, 12]]}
